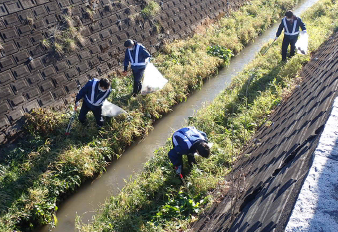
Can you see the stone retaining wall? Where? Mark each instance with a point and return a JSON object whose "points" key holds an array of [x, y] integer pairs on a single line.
{"points": [[33, 76]]}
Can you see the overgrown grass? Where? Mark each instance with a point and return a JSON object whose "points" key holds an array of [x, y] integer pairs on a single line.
{"points": [[43, 168], [151, 9], [155, 200]]}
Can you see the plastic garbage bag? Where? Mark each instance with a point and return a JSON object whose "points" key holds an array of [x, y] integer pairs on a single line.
{"points": [[302, 43], [152, 80], [111, 110]]}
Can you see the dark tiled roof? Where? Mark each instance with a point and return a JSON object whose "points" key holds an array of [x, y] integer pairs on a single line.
{"points": [[280, 155]]}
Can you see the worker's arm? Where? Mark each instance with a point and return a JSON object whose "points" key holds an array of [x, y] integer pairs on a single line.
{"points": [[83, 91], [126, 60], [280, 29], [302, 24]]}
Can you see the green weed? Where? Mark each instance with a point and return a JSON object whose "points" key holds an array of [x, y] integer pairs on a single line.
{"points": [[151, 9]]}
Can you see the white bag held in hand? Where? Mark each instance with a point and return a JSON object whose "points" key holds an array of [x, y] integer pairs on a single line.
{"points": [[111, 110], [302, 42], [152, 80]]}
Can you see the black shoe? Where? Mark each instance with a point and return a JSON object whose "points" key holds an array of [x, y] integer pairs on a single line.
{"points": [[84, 123], [134, 95]]}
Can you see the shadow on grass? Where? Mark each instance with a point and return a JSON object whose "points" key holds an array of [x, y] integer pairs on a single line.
{"points": [[254, 86], [29, 158], [156, 208]]}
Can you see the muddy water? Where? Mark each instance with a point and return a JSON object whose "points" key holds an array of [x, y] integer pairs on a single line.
{"points": [[90, 196]]}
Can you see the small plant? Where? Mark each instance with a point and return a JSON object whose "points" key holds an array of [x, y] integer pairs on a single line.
{"points": [[70, 45], [89, 14], [72, 31], [80, 39], [150, 10], [220, 52], [29, 21], [158, 27], [46, 43], [64, 37], [134, 17], [58, 48], [68, 11], [68, 21]]}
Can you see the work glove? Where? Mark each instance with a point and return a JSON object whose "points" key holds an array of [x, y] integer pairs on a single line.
{"points": [[77, 103], [178, 169]]}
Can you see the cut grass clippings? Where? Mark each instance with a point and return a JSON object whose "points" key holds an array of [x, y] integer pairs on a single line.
{"points": [[156, 200], [43, 168]]}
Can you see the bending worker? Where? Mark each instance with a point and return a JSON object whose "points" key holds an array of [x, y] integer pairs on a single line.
{"points": [[290, 23], [136, 54], [94, 93], [187, 141]]}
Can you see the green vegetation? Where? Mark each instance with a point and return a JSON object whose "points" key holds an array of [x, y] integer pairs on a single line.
{"points": [[151, 9], [43, 168], [64, 37], [29, 20], [220, 52], [154, 200]]}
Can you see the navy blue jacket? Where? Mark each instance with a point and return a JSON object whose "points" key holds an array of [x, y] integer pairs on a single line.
{"points": [[86, 93], [184, 140], [290, 26], [142, 56]]}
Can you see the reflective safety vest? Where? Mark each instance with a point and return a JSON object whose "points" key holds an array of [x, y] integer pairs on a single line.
{"points": [[189, 135], [136, 63], [100, 101], [286, 30]]}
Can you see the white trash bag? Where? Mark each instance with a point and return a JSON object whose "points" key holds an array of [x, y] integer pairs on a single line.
{"points": [[302, 43], [152, 80], [111, 110]]}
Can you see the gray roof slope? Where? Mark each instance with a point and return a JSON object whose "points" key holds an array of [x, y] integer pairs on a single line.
{"points": [[264, 186]]}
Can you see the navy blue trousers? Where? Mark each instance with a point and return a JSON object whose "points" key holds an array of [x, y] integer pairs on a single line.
{"points": [[289, 40], [191, 158], [97, 111], [138, 75]]}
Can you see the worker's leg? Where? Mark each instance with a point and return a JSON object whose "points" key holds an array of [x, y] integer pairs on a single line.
{"points": [[285, 45], [293, 46], [83, 113], [138, 75], [98, 116]]}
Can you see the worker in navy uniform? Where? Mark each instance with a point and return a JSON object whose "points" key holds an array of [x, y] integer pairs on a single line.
{"points": [[291, 24], [136, 54], [93, 93], [187, 141]]}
